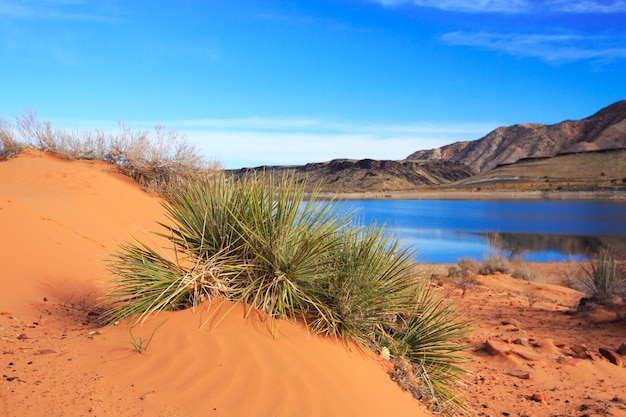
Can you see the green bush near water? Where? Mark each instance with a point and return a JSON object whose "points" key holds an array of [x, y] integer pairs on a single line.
{"points": [[268, 244]]}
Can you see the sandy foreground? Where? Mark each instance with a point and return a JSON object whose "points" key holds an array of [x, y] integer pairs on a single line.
{"points": [[61, 219]]}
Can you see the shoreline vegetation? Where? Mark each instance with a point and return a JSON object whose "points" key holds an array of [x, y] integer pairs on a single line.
{"points": [[479, 195]]}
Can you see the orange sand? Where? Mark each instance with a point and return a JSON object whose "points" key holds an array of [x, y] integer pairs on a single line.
{"points": [[59, 221]]}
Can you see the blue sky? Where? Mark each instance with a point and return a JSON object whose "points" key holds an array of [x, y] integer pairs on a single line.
{"points": [[289, 82]]}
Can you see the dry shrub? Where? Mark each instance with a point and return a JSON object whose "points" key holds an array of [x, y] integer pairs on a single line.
{"points": [[495, 263], [603, 279], [157, 160], [469, 264], [454, 272], [466, 272], [527, 274], [9, 144]]}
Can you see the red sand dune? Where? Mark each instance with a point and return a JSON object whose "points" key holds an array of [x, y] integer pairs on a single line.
{"points": [[59, 222]]}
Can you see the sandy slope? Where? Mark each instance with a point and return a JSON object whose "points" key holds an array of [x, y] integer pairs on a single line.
{"points": [[59, 221]]}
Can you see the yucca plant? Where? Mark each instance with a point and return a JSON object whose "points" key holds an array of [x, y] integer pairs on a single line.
{"points": [[269, 244], [149, 280], [368, 285], [429, 339]]}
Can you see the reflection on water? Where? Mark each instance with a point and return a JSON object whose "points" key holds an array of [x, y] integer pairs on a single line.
{"points": [[444, 231], [524, 244]]}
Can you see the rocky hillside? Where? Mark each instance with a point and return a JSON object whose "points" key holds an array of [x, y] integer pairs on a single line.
{"points": [[604, 130], [345, 175]]}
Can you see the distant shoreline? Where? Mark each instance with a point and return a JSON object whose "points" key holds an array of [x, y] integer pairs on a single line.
{"points": [[479, 195]]}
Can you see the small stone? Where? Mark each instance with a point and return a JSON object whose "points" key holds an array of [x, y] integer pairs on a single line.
{"points": [[518, 373], [580, 351], [44, 352], [622, 349], [570, 361], [611, 356], [495, 347], [512, 322], [540, 398], [522, 341], [384, 353], [528, 354], [6, 313], [22, 336]]}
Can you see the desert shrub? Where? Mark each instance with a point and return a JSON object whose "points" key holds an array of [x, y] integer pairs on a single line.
{"points": [[157, 161], [603, 278], [526, 273], [260, 241], [9, 143], [454, 271], [369, 285], [428, 338], [468, 269], [495, 263], [469, 264]]}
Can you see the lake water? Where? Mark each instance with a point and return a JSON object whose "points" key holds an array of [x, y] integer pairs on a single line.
{"points": [[442, 231]]}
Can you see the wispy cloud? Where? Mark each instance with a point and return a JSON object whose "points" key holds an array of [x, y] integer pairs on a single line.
{"points": [[76, 10], [255, 141], [517, 6], [587, 6], [477, 6], [553, 48]]}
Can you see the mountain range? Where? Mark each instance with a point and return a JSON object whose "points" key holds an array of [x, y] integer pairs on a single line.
{"points": [[606, 129], [587, 154]]}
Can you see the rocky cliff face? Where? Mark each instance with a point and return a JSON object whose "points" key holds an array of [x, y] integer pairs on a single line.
{"points": [[345, 175], [604, 130]]}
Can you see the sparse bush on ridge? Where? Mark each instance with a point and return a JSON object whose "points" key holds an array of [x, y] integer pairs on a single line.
{"points": [[260, 241], [469, 264], [466, 272], [493, 264], [157, 161], [604, 278], [526, 273]]}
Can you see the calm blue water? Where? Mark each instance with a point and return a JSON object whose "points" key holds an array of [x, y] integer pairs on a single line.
{"points": [[442, 231]]}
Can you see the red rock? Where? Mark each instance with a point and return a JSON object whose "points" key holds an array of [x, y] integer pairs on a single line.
{"points": [[611, 356], [570, 361], [527, 353], [22, 336], [512, 322], [580, 351], [496, 347], [44, 352], [522, 341], [519, 373], [6, 313], [540, 398], [622, 349]]}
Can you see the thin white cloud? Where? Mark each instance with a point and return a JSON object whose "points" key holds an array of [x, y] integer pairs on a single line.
{"points": [[517, 6], [587, 6], [477, 6], [255, 141], [553, 48], [55, 10]]}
